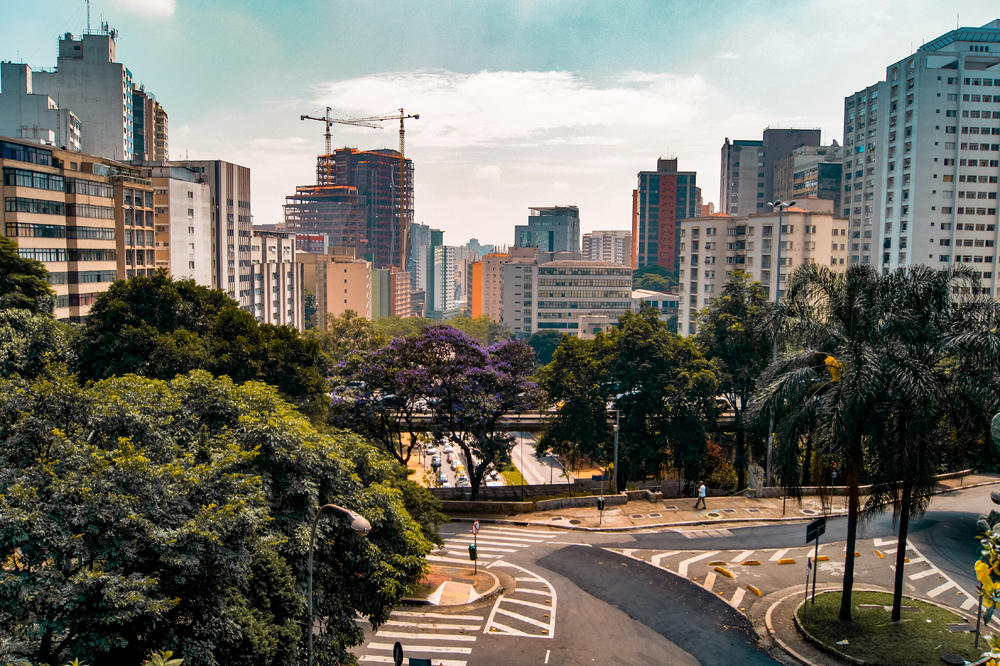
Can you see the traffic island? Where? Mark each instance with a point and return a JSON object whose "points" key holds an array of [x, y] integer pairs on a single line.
{"points": [[925, 633], [453, 586]]}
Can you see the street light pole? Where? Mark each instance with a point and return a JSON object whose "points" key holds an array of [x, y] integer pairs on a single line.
{"points": [[360, 526], [781, 206]]}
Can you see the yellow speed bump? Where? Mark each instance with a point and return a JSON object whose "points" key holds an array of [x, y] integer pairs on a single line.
{"points": [[786, 560], [718, 563], [821, 558], [856, 554], [725, 572], [753, 589], [750, 563], [880, 555]]}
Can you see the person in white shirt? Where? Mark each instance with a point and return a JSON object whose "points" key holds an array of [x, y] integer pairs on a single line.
{"points": [[701, 496]]}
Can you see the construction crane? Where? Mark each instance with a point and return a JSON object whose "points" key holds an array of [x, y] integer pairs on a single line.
{"points": [[371, 121]]}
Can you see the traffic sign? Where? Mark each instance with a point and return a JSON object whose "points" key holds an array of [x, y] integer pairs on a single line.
{"points": [[475, 527], [815, 529], [397, 654]]}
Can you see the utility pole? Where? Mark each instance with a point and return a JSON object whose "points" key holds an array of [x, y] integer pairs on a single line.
{"points": [[781, 206]]}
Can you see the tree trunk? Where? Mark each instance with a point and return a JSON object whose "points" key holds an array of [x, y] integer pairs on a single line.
{"points": [[741, 470], [807, 461], [853, 505], [904, 526]]}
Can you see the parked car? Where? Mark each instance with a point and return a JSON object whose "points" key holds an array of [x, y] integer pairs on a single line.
{"points": [[448, 448], [453, 465], [451, 457], [431, 450], [442, 477]]}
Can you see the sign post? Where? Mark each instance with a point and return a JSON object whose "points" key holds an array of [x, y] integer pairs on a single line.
{"points": [[473, 547], [814, 531]]}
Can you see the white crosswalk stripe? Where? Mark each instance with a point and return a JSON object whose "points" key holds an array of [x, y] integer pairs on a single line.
{"points": [[710, 581], [923, 574], [447, 639], [742, 556], [941, 588], [528, 611], [737, 597], [491, 544], [778, 554], [682, 568]]}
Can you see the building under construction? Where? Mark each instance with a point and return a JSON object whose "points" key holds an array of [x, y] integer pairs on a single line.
{"points": [[337, 211], [375, 175]]}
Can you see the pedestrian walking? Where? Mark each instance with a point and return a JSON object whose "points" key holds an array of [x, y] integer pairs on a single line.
{"points": [[701, 496]]}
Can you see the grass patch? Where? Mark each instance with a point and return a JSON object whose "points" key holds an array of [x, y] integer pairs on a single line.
{"points": [[873, 638], [514, 477]]}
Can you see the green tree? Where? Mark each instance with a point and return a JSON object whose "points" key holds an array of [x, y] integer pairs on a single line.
{"points": [[29, 341], [138, 514], [653, 278], [311, 308], [482, 329], [401, 327], [835, 318], [347, 333], [159, 327], [663, 386], [730, 333], [545, 343], [24, 283]]}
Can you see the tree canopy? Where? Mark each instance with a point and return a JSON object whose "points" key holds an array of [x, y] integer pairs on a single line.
{"points": [[483, 329], [158, 327], [545, 343], [139, 515], [24, 282], [653, 278]]}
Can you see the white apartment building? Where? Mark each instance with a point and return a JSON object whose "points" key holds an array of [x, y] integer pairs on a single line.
{"points": [[923, 154], [492, 284], [559, 291], [277, 296], [25, 114], [87, 80], [183, 218], [611, 245], [713, 247]]}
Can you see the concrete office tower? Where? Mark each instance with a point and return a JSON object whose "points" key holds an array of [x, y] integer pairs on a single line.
{"points": [[98, 90], [25, 114], [375, 174], [335, 211], [381, 293], [440, 293], [340, 281], [480, 249], [713, 247], [491, 290], [925, 154], [663, 197], [614, 246], [277, 296], [400, 295], [134, 220], [810, 171], [232, 220], [553, 229], [420, 238], [559, 291], [150, 127], [182, 202], [59, 207], [778, 144], [741, 181]]}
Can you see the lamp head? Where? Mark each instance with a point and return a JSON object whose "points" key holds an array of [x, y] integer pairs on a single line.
{"points": [[360, 526], [772, 204], [791, 203]]}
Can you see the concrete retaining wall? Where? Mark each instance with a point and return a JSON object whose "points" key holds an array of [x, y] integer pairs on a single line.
{"points": [[451, 506], [573, 502]]}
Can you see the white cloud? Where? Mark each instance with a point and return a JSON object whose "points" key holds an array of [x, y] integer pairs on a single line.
{"points": [[727, 55], [487, 172], [149, 8]]}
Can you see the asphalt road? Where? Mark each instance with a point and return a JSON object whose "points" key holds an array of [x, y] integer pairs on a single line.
{"points": [[609, 607], [535, 471]]}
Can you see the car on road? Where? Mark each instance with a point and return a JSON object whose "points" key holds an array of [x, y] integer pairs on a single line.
{"points": [[442, 477], [431, 450], [436, 461], [448, 448], [451, 457], [446, 485], [453, 465]]}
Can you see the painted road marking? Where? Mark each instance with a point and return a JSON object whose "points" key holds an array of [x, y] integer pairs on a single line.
{"points": [[438, 558], [682, 568], [969, 603], [387, 659], [437, 626], [422, 648], [710, 581], [778, 554], [737, 597], [742, 556], [532, 604], [524, 618], [547, 623], [656, 559], [941, 588], [923, 574], [436, 616], [418, 637]]}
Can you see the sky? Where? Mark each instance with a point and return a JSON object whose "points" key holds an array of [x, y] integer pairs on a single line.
{"points": [[522, 102]]}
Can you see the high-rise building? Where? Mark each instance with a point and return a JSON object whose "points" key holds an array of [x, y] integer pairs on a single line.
{"points": [[779, 143], [381, 293], [340, 281], [134, 220], [923, 149], [232, 221], [440, 292], [491, 289], [182, 203], [375, 175], [402, 305], [334, 211], [59, 207], [612, 245], [476, 289], [278, 279], [97, 89], [481, 250], [552, 229], [741, 180], [26, 114], [810, 171], [713, 247], [420, 238], [150, 127], [662, 198]]}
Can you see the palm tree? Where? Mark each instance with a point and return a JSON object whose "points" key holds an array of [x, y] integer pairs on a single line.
{"points": [[830, 323]]}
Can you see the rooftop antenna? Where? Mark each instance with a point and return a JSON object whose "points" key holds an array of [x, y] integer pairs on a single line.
{"points": [[88, 17]]}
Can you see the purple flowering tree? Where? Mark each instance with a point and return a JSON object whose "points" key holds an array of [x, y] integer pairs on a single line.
{"points": [[472, 389]]}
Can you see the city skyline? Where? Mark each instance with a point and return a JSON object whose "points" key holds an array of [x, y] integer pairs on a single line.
{"points": [[510, 117]]}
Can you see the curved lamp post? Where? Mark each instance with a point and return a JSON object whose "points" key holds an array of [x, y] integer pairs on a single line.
{"points": [[781, 206], [360, 526]]}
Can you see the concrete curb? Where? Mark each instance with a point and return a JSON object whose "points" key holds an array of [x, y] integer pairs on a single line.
{"points": [[489, 593], [686, 523], [782, 644]]}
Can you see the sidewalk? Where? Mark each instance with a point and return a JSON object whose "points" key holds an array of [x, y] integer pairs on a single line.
{"points": [[680, 512]]}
